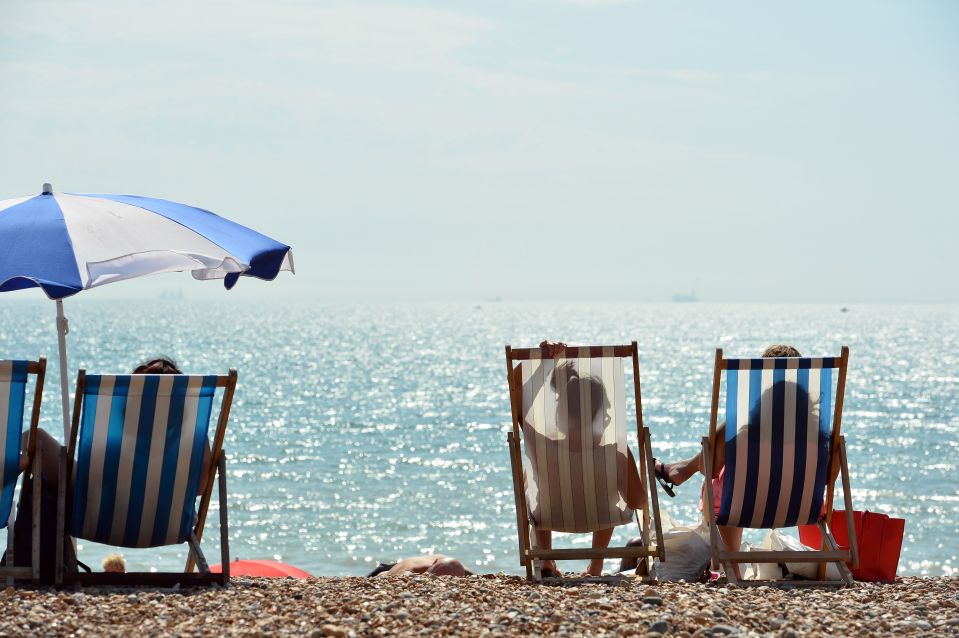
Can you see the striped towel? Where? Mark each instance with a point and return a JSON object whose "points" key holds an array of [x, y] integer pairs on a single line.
{"points": [[778, 423], [13, 388], [574, 434], [140, 449]]}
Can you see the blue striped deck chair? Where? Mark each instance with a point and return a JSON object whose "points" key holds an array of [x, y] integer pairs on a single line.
{"points": [[782, 449], [14, 376], [136, 458], [568, 450]]}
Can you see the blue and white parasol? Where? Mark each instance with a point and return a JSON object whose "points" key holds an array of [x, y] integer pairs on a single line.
{"points": [[67, 242]]}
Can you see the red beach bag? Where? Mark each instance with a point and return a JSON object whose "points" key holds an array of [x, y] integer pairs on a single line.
{"points": [[879, 538]]}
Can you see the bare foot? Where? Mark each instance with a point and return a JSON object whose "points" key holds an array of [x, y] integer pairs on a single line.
{"points": [[549, 569], [595, 568]]}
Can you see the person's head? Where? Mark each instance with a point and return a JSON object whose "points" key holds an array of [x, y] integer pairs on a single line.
{"points": [[780, 350], [576, 388], [114, 563], [160, 365], [448, 567]]}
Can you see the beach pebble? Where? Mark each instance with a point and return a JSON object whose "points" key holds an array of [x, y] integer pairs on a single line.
{"points": [[652, 600], [486, 605], [660, 627]]}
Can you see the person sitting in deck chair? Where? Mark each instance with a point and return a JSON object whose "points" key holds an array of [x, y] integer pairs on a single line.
{"points": [[50, 447], [572, 387], [670, 475]]}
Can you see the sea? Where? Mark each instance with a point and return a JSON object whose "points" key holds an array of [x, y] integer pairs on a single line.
{"points": [[361, 434]]}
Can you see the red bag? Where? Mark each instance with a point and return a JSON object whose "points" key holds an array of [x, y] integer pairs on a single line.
{"points": [[879, 538]]}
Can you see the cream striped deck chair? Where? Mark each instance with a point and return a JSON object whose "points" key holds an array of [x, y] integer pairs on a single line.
{"points": [[136, 457], [14, 376], [568, 449], [782, 449]]}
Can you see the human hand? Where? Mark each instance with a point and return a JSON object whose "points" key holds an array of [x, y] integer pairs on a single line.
{"points": [[552, 349]]}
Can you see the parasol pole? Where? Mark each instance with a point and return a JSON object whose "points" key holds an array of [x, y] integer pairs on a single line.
{"points": [[62, 330]]}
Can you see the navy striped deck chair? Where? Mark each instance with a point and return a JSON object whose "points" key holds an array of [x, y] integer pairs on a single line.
{"points": [[14, 376], [136, 456], [782, 449], [568, 449]]}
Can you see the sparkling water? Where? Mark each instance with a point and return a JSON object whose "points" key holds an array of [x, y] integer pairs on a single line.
{"points": [[362, 434]]}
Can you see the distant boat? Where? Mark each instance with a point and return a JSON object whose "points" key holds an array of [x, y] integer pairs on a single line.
{"points": [[690, 298]]}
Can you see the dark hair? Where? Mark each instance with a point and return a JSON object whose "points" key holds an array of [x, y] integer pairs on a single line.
{"points": [[160, 365], [573, 384], [781, 350]]}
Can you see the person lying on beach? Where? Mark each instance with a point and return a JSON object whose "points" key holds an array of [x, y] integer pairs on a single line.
{"points": [[49, 448], [574, 386], [673, 474], [433, 564]]}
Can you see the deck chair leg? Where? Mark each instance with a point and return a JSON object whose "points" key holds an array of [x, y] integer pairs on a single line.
{"points": [[35, 518], [730, 569], [714, 540], [654, 494], [197, 553], [9, 560], [830, 542], [59, 567], [534, 566], [224, 528]]}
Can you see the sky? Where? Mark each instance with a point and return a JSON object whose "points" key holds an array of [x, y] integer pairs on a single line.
{"points": [[541, 150]]}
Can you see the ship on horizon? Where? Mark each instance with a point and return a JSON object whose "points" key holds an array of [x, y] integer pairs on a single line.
{"points": [[690, 298]]}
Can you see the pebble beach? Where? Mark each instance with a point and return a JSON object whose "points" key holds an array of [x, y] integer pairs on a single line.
{"points": [[485, 605]]}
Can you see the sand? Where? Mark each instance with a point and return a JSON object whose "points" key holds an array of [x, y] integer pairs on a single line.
{"points": [[484, 605]]}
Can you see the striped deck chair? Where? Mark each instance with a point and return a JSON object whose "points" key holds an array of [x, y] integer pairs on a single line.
{"points": [[136, 455], [569, 412], [13, 396], [782, 449]]}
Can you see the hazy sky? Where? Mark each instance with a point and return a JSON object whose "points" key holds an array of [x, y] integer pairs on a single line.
{"points": [[547, 150]]}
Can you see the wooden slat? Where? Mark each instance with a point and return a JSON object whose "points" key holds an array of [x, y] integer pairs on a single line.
{"points": [[22, 573], [572, 352], [784, 556], [608, 552]]}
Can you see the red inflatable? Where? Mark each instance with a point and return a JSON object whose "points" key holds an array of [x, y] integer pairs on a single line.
{"points": [[262, 568]]}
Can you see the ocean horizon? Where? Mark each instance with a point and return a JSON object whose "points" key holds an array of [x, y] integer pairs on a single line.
{"points": [[363, 433]]}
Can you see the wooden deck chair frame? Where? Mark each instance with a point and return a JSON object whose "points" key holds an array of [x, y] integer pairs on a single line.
{"points": [[70, 574], [8, 570], [528, 553], [830, 551]]}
